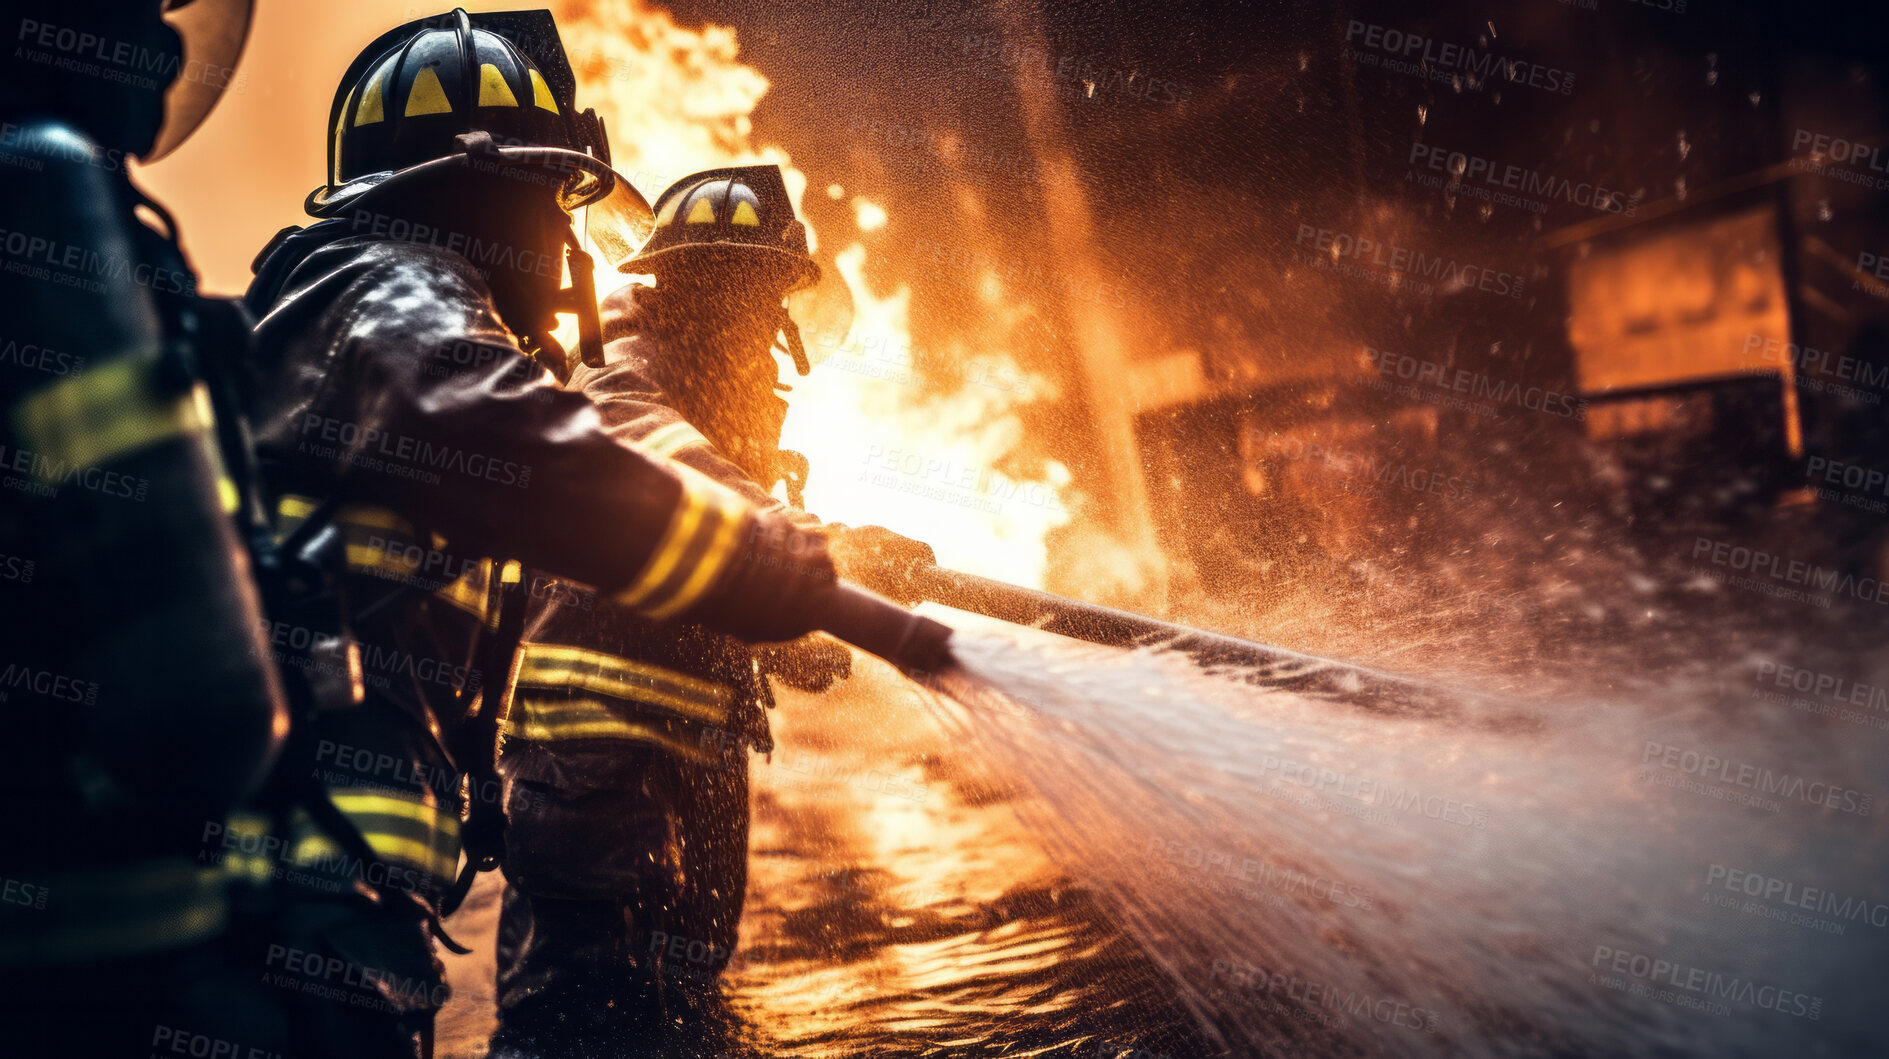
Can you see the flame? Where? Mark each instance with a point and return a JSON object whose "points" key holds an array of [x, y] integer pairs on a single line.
{"points": [[886, 446]]}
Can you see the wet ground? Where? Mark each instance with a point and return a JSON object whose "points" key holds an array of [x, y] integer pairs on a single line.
{"points": [[896, 907]]}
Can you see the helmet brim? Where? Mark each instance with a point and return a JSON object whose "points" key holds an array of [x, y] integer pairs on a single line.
{"points": [[804, 272], [617, 219], [213, 33]]}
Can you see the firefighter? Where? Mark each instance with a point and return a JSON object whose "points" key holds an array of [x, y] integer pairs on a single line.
{"points": [[417, 460], [140, 703], [626, 742]]}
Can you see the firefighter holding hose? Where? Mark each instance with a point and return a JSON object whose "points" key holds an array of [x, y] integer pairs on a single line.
{"points": [[627, 741], [418, 460]]}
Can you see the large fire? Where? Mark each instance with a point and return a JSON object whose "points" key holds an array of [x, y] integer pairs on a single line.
{"points": [[886, 446]]}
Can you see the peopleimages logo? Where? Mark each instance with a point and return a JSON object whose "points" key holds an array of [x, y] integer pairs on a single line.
{"points": [[1807, 360], [1789, 571], [1469, 169], [1240, 977], [1475, 386], [1414, 53], [46, 684], [1796, 895], [1713, 768], [396, 454], [1837, 149], [1703, 985], [1327, 246]]}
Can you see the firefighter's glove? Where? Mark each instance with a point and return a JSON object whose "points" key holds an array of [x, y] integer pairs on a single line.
{"points": [[881, 560], [811, 663]]}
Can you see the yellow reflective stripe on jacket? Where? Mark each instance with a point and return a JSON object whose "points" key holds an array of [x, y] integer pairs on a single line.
{"points": [[404, 829], [555, 666], [366, 527], [105, 413], [560, 720], [293, 510], [671, 438], [250, 830], [695, 548], [122, 911]]}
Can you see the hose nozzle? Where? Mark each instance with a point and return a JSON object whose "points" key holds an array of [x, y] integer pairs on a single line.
{"points": [[876, 625]]}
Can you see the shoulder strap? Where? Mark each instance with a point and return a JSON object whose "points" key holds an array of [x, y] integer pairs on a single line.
{"points": [[476, 733]]}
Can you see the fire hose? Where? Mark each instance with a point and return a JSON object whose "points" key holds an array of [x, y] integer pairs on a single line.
{"points": [[919, 645]]}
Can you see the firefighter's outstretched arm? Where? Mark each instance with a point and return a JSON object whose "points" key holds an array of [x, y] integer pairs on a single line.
{"points": [[440, 417]]}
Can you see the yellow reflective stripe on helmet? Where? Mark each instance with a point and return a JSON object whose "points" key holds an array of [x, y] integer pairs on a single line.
{"points": [[573, 719], [669, 439], [425, 96], [540, 92], [370, 112], [493, 91], [109, 411], [556, 667]]}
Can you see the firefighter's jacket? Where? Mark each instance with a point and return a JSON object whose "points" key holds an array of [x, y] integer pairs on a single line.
{"points": [[405, 440], [594, 675]]}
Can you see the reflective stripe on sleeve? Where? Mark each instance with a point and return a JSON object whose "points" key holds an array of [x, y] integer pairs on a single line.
{"points": [[695, 548], [671, 438]]}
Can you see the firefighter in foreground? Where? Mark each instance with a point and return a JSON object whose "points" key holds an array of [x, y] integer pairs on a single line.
{"points": [[417, 457], [140, 706], [626, 742]]}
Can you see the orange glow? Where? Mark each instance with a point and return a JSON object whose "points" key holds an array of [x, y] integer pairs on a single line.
{"points": [[675, 100]]}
